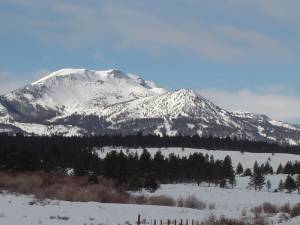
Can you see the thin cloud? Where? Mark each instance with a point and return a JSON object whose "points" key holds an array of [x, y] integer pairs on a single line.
{"points": [[276, 10], [10, 81], [278, 106], [80, 25]]}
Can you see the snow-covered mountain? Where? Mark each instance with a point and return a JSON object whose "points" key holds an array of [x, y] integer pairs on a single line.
{"points": [[85, 102]]}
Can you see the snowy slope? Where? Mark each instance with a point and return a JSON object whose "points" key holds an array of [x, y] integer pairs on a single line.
{"points": [[76, 90], [111, 101]]}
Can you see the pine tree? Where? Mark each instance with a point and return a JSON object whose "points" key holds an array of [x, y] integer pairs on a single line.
{"points": [[247, 173], [289, 184], [135, 183], [232, 179], [93, 178], [288, 169], [228, 170], [239, 169], [151, 184], [279, 169], [298, 183], [268, 169], [269, 185], [257, 180], [280, 185]]}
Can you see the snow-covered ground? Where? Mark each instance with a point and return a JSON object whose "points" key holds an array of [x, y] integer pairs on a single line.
{"points": [[19, 210], [247, 159], [231, 200]]}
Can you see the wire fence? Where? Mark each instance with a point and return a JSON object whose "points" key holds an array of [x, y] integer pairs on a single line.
{"points": [[143, 221]]}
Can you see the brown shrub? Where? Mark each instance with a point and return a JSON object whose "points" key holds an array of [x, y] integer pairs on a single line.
{"points": [[295, 211], [140, 199], [268, 208], [257, 211], [194, 203], [244, 212], [212, 220], [286, 208], [212, 206], [20, 183], [260, 220], [161, 200], [180, 202], [58, 186]]}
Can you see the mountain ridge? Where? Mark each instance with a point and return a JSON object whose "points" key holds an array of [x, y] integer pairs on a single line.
{"points": [[89, 102]]}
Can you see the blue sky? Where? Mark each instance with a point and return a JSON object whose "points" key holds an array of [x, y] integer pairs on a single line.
{"points": [[240, 54]]}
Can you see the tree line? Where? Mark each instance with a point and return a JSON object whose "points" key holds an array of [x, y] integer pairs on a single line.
{"points": [[133, 170], [290, 168], [29, 153]]}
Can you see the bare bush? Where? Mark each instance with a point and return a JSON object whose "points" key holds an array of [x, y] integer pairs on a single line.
{"points": [[260, 220], [244, 212], [295, 211], [257, 211], [212, 206], [194, 203], [286, 208], [140, 199], [57, 186], [212, 220], [161, 200], [180, 202], [269, 208]]}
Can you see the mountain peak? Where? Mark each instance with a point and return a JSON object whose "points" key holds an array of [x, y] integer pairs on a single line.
{"points": [[72, 90], [60, 73], [186, 92], [83, 101], [93, 76]]}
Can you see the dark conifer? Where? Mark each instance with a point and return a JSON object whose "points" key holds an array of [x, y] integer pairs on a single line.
{"points": [[247, 173], [239, 169], [257, 180], [290, 184]]}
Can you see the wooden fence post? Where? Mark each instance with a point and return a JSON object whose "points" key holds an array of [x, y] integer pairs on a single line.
{"points": [[154, 222], [175, 222], [139, 220], [161, 223]]}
